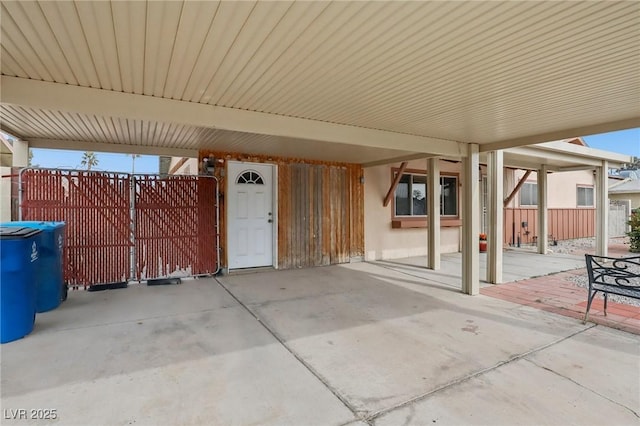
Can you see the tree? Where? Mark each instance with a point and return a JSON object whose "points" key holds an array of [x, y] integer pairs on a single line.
{"points": [[30, 159], [133, 162], [634, 234], [89, 159]]}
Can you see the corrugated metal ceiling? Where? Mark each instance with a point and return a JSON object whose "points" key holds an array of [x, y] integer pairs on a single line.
{"points": [[47, 126], [462, 71]]}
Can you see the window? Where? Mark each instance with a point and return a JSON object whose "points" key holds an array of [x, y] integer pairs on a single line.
{"points": [[585, 196], [448, 196], [411, 195], [529, 194], [250, 177]]}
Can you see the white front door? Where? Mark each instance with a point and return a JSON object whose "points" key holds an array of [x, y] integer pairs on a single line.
{"points": [[250, 215]]}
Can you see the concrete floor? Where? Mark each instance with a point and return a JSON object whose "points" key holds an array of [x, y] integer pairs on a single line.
{"points": [[517, 264], [351, 344]]}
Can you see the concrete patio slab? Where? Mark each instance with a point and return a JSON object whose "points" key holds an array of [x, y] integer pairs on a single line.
{"points": [[394, 337], [344, 345], [520, 393], [159, 362], [517, 265], [598, 359]]}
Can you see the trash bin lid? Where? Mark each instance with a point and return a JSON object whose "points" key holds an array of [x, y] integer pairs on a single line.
{"points": [[7, 232], [35, 224]]}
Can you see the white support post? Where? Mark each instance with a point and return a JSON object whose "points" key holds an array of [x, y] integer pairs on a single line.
{"points": [[471, 222], [496, 217], [20, 153], [602, 209], [433, 194], [543, 227]]}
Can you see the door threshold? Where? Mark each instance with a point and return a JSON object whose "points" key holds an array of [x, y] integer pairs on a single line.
{"points": [[243, 271]]}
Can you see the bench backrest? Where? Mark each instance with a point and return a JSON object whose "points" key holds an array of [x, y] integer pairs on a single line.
{"points": [[614, 271]]}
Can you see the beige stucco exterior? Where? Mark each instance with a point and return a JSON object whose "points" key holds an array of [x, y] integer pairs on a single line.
{"points": [[186, 167], [562, 187], [384, 242]]}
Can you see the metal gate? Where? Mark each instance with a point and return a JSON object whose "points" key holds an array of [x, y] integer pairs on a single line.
{"points": [[123, 227]]}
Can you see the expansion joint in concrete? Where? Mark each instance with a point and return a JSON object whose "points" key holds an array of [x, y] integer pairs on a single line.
{"points": [[584, 387], [470, 376], [358, 415]]}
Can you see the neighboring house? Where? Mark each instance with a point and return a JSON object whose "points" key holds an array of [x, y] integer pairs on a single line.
{"points": [[627, 189], [624, 196]]}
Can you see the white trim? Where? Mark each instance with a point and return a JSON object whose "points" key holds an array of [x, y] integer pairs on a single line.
{"points": [[433, 205], [274, 233], [471, 222], [593, 196], [564, 133], [543, 206], [64, 97], [602, 209], [496, 217], [274, 210]]}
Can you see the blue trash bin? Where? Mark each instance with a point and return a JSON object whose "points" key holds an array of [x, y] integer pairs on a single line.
{"points": [[49, 276], [19, 257]]}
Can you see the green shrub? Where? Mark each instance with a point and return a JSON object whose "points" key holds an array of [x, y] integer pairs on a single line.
{"points": [[634, 234]]}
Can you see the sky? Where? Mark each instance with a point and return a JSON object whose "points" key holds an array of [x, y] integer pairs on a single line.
{"points": [[623, 142], [107, 161]]}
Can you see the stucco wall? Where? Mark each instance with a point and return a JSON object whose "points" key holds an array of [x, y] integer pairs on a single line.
{"points": [[381, 240], [561, 186], [5, 195], [188, 167], [634, 197]]}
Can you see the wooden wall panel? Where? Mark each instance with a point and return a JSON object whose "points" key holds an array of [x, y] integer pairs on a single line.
{"points": [[564, 224], [320, 209], [326, 215]]}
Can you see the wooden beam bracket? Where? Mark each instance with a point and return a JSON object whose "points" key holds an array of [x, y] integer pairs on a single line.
{"points": [[394, 185], [517, 188]]}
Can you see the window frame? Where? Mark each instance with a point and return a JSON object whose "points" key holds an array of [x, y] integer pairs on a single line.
{"points": [[593, 196], [403, 221], [520, 203], [406, 172]]}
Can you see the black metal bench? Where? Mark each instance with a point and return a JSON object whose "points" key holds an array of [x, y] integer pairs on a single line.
{"points": [[612, 275]]}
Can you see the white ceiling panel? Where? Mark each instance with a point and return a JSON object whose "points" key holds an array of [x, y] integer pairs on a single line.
{"points": [[464, 71], [60, 130]]}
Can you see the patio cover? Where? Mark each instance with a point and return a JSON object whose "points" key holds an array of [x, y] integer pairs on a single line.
{"points": [[359, 82]]}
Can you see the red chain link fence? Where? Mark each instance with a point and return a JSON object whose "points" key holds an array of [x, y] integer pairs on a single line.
{"points": [[122, 227]]}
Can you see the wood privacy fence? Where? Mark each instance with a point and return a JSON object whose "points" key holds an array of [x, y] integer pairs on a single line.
{"points": [[122, 227], [564, 224], [320, 214]]}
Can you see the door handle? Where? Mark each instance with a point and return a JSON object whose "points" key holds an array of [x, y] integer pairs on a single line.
{"points": [[270, 221]]}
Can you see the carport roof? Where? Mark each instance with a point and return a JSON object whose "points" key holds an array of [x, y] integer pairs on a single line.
{"points": [[317, 79]]}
